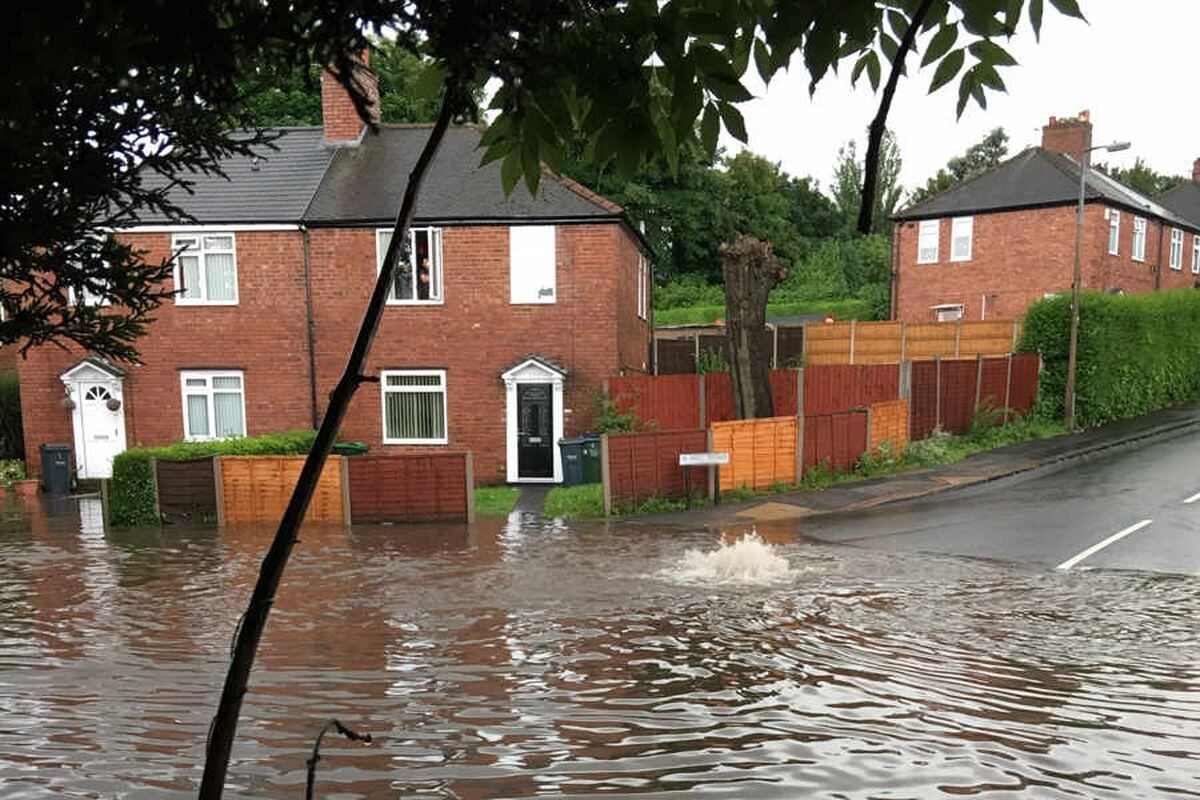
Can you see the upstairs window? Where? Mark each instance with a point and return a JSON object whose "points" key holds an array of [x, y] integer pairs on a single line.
{"points": [[418, 280], [214, 405], [205, 269], [414, 406], [961, 234], [532, 270], [1176, 248], [1196, 254], [948, 313], [1114, 232], [1139, 239], [927, 241]]}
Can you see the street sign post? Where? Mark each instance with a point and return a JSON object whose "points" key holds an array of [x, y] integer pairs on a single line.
{"points": [[711, 460]]}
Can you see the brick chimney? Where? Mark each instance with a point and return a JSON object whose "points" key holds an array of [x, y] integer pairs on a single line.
{"points": [[1069, 135], [340, 118], [1196, 170]]}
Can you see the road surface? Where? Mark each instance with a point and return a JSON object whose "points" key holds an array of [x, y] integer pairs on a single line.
{"points": [[1137, 509]]}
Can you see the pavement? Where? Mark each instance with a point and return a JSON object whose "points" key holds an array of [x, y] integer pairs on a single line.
{"points": [[1014, 462]]}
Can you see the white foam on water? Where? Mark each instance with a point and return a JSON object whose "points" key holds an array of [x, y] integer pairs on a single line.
{"points": [[747, 560]]}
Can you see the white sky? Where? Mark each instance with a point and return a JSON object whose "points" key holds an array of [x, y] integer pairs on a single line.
{"points": [[1133, 65]]}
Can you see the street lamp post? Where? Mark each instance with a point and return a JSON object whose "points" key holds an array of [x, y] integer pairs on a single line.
{"points": [[1069, 403]]}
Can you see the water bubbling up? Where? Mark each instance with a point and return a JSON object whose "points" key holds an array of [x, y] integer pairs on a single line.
{"points": [[748, 560]]}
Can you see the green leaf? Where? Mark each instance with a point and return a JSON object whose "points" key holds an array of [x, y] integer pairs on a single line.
{"points": [[964, 94], [734, 123], [710, 128], [712, 62], [988, 76], [762, 61], [1068, 7], [898, 22], [429, 83], [874, 70], [947, 69], [940, 44], [727, 89], [859, 66], [531, 164], [989, 52], [510, 172], [889, 46], [1035, 18]]}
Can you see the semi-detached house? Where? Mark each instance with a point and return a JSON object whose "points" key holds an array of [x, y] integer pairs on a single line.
{"points": [[510, 315], [989, 246]]}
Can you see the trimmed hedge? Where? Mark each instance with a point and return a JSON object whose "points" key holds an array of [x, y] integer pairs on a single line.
{"points": [[131, 490], [1136, 353]]}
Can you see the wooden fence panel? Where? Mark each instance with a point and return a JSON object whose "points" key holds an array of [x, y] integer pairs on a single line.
{"points": [[645, 465], [928, 339], [827, 343], [923, 400], [835, 440], [186, 487], [257, 489], [840, 387], [789, 346], [891, 342], [889, 423], [1024, 386], [988, 337], [676, 356], [409, 487], [958, 394], [878, 342], [718, 394], [948, 400], [668, 402], [762, 452], [993, 383]]}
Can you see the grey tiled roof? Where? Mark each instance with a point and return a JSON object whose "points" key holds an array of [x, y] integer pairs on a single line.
{"points": [[1184, 200], [1036, 177], [276, 187], [304, 180]]}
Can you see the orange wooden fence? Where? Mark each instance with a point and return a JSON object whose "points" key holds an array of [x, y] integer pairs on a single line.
{"points": [[257, 489], [891, 342], [762, 452], [889, 423]]}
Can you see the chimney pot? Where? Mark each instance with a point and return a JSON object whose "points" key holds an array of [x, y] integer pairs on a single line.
{"points": [[1068, 135]]}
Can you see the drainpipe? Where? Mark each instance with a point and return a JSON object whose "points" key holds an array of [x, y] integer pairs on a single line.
{"points": [[1162, 230], [894, 272], [308, 310]]}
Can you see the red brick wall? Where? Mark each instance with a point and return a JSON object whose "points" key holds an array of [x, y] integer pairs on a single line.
{"points": [[1018, 256], [633, 332], [474, 336], [477, 334], [263, 336]]}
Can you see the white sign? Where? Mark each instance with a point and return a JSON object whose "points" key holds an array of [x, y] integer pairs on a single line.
{"points": [[703, 459]]}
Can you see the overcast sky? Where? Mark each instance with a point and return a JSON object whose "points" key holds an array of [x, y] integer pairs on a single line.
{"points": [[1133, 65]]}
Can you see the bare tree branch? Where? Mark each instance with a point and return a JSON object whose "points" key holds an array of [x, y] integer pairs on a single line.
{"points": [[316, 751]]}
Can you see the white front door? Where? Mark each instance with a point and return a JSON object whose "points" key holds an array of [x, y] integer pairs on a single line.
{"points": [[99, 430]]}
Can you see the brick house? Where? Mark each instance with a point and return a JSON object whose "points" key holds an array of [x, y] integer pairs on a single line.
{"points": [[1184, 199], [516, 310], [989, 246]]}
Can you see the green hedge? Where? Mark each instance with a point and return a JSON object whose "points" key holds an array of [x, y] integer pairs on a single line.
{"points": [[12, 435], [841, 309], [1136, 353], [131, 490]]}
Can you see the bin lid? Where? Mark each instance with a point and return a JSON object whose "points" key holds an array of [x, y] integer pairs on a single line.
{"points": [[55, 448], [565, 441], [590, 437]]}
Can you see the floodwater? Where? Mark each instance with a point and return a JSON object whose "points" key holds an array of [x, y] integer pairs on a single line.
{"points": [[512, 659]]}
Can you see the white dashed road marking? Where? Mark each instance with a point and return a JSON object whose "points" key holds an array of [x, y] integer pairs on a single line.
{"points": [[1098, 546], [1192, 499]]}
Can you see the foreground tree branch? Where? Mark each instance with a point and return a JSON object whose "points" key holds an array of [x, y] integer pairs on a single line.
{"points": [[254, 620], [353, 736], [879, 124]]}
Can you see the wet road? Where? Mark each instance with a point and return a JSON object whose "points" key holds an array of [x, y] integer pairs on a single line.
{"points": [[1137, 509]]}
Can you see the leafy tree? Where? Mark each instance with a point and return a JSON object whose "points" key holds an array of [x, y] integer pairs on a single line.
{"points": [[1140, 177], [978, 159], [278, 95], [848, 182]]}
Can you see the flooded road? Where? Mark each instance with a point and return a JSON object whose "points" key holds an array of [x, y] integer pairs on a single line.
{"points": [[511, 659]]}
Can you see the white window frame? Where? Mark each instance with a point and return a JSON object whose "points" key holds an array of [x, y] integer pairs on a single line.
{"points": [[201, 252], [1138, 248], [938, 309], [923, 227], [1114, 232], [208, 375], [88, 298], [549, 299], [643, 288], [1176, 254], [443, 390], [437, 288], [962, 227], [1195, 255]]}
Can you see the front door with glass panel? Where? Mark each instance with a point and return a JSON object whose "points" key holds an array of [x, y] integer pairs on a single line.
{"points": [[535, 432], [101, 434]]}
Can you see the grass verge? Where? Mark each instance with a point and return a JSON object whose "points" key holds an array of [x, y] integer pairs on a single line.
{"points": [[495, 501]]}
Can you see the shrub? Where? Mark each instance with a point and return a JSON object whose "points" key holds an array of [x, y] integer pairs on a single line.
{"points": [[711, 361], [12, 470], [608, 416], [1136, 353], [131, 490], [12, 434], [841, 309]]}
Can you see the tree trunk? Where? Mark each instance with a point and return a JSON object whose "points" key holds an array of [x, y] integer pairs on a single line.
{"points": [[224, 726], [751, 272]]}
